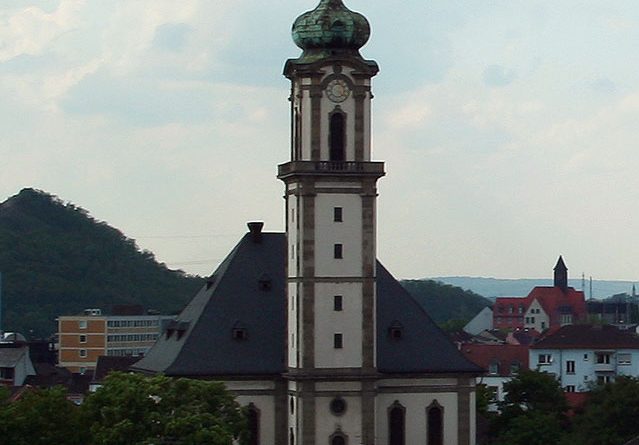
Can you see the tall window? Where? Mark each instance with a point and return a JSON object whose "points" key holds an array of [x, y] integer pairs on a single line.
{"points": [[338, 341], [338, 251], [570, 367], [337, 214], [338, 303], [253, 425], [435, 421], [396, 424], [337, 137], [338, 439]]}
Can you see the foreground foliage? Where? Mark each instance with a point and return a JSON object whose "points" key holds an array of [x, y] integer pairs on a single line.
{"points": [[128, 410]]}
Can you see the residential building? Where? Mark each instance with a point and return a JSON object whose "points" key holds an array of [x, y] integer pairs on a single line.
{"points": [[85, 337], [501, 363], [545, 307], [15, 362], [582, 355], [483, 321], [315, 337]]}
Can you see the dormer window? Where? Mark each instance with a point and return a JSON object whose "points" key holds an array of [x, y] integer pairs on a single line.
{"points": [[239, 332], [396, 330], [265, 283]]}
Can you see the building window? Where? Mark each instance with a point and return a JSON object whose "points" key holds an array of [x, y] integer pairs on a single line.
{"points": [[543, 325], [544, 359], [493, 368], [338, 303], [570, 367], [253, 415], [435, 424], [338, 439], [397, 424], [83, 371], [515, 367], [566, 319], [338, 406], [338, 214], [83, 353], [6, 373], [585, 357], [338, 341], [604, 379], [603, 359], [83, 339], [337, 137], [396, 330], [624, 359], [338, 251], [82, 324], [570, 388]]}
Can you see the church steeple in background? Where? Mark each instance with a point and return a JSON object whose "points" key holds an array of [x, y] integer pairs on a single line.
{"points": [[561, 274]]}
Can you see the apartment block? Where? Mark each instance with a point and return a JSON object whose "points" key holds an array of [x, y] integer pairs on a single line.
{"points": [[84, 337]]}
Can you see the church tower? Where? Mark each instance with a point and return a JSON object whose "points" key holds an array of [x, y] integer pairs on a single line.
{"points": [[330, 192]]}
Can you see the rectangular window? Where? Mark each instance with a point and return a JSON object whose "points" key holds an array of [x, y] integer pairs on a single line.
{"points": [[570, 388], [624, 359], [338, 251], [338, 303], [82, 324], [338, 341], [570, 367], [83, 353], [544, 359], [337, 214], [603, 359], [83, 339]]}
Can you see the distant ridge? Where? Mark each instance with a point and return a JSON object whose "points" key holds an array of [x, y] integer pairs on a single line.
{"points": [[56, 259], [501, 287]]}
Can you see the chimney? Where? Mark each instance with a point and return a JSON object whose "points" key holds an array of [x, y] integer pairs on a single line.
{"points": [[255, 228]]}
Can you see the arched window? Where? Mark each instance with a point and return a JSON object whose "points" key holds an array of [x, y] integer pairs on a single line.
{"points": [[396, 424], [338, 439], [337, 136], [253, 415], [435, 423]]}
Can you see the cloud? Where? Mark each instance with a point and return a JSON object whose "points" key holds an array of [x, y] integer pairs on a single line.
{"points": [[172, 36], [498, 76]]}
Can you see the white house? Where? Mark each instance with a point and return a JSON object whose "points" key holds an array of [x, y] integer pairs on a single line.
{"points": [[580, 356]]}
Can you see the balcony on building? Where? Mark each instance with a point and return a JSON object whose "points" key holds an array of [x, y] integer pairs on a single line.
{"points": [[328, 168]]}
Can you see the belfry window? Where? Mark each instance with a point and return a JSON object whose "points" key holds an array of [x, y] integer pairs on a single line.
{"points": [[337, 137]]}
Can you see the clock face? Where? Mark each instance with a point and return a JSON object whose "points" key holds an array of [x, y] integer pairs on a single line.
{"points": [[337, 90]]}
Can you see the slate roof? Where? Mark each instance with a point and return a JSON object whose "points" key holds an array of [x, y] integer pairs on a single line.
{"points": [[11, 356], [582, 336], [109, 363], [200, 342]]}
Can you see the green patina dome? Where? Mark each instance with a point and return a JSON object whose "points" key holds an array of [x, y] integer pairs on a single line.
{"points": [[331, 26]]}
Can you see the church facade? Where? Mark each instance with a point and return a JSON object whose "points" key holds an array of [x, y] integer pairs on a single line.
{"points": [[308, 329]]}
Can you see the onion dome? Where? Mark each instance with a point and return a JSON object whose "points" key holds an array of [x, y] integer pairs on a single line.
{"points": [[331, 26]]}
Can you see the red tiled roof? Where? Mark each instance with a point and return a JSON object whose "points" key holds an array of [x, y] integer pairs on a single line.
{"points": [[582, 336], [553, 299], [505, 355]]}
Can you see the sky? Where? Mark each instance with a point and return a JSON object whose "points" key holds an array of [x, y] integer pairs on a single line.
{"points": [[509, 128]]}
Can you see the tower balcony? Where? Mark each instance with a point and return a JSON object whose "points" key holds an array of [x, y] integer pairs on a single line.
{"points": [[330, 168]]}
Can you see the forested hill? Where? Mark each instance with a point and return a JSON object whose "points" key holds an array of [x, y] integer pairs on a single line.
{"points": [[56, 259], [445, 303]]}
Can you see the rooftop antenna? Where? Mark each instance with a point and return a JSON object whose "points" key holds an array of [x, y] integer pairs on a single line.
{"points": [[591, 287], [583, 282]]}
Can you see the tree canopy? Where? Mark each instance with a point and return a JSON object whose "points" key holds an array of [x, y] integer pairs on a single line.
{"points": [[55, 259], [130, 409]]}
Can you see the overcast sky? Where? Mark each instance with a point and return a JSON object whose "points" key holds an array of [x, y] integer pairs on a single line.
{"points": [[510, 128]]}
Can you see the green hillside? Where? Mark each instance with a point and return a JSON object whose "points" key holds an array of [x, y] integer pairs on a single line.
{"points": [[56, 259], [445, 303]]}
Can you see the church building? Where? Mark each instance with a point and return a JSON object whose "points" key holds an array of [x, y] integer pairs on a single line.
{"points": [[308, 329]]}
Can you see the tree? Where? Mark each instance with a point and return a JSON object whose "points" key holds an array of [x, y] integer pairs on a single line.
{"points": [[533, 411], [610, 415], [131, 409], [41, 417]]}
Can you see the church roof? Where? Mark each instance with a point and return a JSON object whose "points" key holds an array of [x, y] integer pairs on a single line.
{"points": [[236, 324]]}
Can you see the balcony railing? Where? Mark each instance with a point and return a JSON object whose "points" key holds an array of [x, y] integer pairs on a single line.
{"points": [[330, 167]]}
